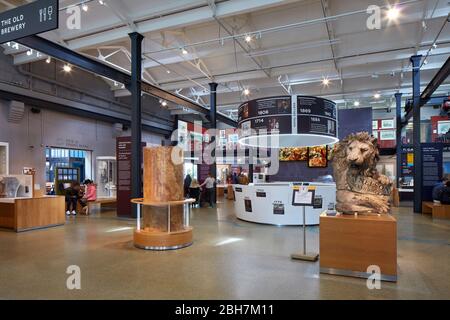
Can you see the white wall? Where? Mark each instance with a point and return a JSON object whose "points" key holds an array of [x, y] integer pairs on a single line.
{"points": [[29, 138]]}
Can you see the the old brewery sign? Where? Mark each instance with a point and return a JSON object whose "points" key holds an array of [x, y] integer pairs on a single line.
{"points": [[36, 17]]}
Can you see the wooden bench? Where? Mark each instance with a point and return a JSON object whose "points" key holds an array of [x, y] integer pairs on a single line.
{"points": [[99, 202], [437, 210]]}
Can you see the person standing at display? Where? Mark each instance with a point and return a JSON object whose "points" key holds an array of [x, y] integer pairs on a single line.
{"points": [[234, 178], [209, 185], [72, 196], [187, 184]]}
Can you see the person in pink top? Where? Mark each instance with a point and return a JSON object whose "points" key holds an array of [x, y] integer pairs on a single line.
{"points": [[89, 195]]}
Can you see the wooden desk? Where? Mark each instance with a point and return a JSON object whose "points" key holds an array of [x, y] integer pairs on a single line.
{"points": [[349, 245], [23, 214]]}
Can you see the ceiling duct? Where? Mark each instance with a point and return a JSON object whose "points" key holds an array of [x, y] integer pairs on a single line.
{"points": [[16, 111]]}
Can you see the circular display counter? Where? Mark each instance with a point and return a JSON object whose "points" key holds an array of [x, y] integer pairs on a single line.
{"points": [[271, 203]]}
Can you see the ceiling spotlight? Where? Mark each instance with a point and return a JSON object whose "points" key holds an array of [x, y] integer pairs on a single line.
{"points": [[164, 103], [29, 52], [248, 38], [377, 95], [16, 46], [326, 81], [184, 51], [356, 103], [67, 68], [85, 7], [393, 13], [48, 60], [101, 2], [246, 92], [168, 71]]}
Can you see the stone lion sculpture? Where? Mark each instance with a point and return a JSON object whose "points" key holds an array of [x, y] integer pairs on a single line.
{"points": [[360, 187]]}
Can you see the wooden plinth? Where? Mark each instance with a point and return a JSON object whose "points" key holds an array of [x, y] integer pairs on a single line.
{"points": [[230, 192], [349, 245], [155, 240]]}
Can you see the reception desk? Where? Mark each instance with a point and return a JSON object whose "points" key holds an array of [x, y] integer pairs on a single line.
{"points": [[271, 203], [23, 214]]}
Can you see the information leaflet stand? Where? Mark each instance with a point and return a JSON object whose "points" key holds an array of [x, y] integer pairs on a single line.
{"points": [[303, 196]]}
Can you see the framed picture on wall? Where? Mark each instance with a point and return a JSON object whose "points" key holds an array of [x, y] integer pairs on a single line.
{"points": [[387, 135], [375, 125], [387, 124], [317, 157], [293, 154], [443, 127]]}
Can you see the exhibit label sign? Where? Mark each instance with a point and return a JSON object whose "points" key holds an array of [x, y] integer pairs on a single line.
{"points": [[36, 17], [432, 154]]}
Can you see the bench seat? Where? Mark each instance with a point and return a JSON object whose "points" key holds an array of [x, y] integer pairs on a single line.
{"points": [[437, 210]]}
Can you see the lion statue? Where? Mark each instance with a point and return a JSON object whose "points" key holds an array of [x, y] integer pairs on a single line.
{"points": [[360, 188]]}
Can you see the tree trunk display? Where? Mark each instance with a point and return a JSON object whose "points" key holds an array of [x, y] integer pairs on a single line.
{"points": [[163, 182]]}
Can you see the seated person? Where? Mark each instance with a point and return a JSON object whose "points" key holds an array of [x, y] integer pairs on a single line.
{"points": [[72, 195], [445, 194], [437, 190], [194, 191], [89, 195]]}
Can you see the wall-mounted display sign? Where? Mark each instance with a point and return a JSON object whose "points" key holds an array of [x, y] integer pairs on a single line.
{"points": [[318, 202], [278, 207], [248, 205], [30, 19], [260, 194], [432, 168], [289, 121]]}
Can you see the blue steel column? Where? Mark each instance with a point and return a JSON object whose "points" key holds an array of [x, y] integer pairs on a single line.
{"points": [[415, 60], [398, 108], [213, 119], [136, 126]]}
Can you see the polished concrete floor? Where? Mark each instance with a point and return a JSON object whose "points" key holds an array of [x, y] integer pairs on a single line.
{"points": [[230, 259]]}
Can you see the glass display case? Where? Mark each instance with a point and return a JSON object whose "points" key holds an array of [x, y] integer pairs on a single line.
{"points": [[106, 177], [4, 158]]}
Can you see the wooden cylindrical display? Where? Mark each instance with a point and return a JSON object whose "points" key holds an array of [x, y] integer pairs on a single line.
{"points": [[163, 182], [163, 226]]}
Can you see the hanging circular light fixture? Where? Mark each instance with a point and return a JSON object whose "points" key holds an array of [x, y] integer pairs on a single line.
{"points": [[288, 121]]}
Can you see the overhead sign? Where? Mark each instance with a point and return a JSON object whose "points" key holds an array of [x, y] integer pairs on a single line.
{"points": [[36, 17], [292, 121], [316, 116], [271, 115]]}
